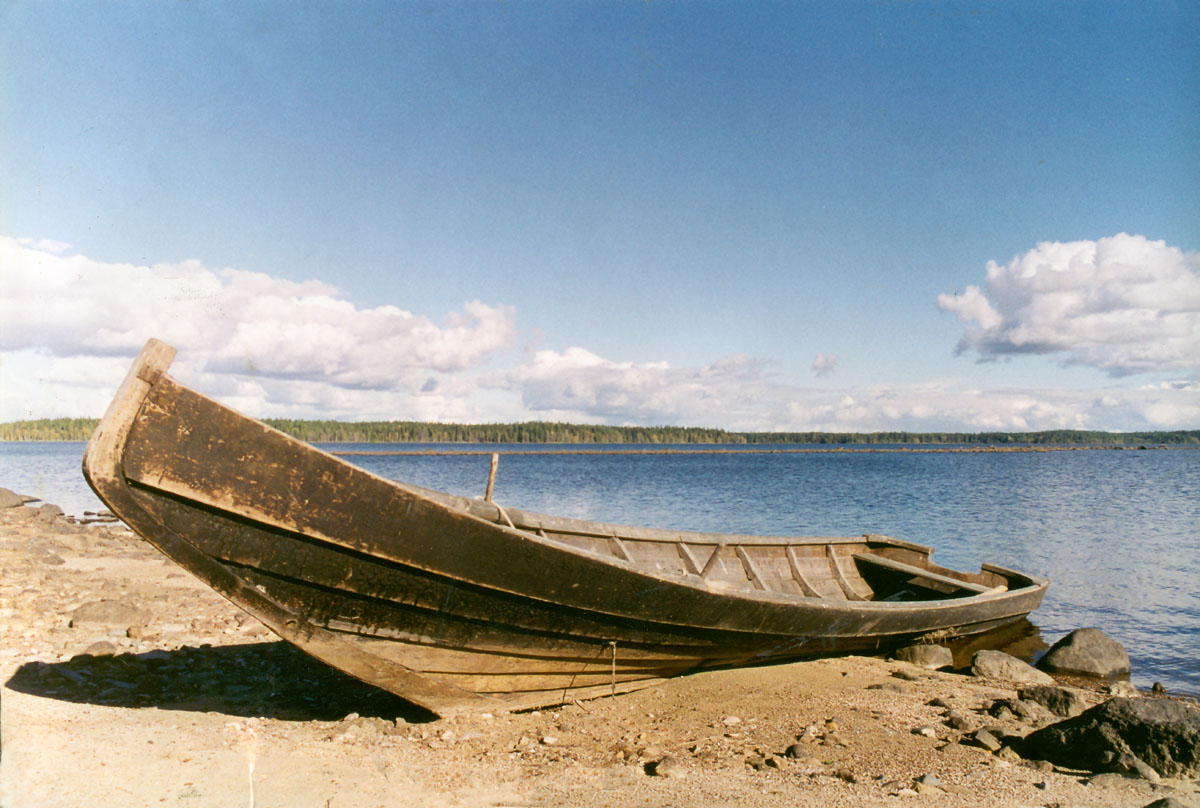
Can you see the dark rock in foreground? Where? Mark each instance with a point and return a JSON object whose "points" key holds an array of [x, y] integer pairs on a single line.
{"points": [[1088, 651], [1057, 700], [1163, 734]]}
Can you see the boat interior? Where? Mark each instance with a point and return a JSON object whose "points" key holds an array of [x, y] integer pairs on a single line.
{"points": [[872, 567]]}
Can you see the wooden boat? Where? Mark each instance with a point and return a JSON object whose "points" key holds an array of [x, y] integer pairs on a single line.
{"points": [[462, 605]]}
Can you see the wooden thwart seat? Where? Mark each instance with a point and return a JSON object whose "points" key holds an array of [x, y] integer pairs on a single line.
{"points": [[918, 572]]}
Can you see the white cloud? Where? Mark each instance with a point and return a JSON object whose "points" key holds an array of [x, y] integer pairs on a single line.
{"points": [[938, 408], [1123, 304], [272, 347], [231, 322], [576, 384], [824, 364], [737, 393]]}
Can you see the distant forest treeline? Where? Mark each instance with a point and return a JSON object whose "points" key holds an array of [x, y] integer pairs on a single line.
{"points": [[547, 432]]}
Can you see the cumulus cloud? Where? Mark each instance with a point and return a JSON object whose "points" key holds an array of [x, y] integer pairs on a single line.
{"points": [[1123, 304], [576, 384], [939, 408], [824, 364], [228, 321]]}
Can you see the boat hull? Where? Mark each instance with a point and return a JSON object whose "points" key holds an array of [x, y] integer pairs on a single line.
{"points": [[460, 605]]}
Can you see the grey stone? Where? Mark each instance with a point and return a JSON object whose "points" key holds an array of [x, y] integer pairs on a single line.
{"points": [[10, 500], [999, 665], [932, 657], [1057, 700], [1087, 651], [1162, 733]]}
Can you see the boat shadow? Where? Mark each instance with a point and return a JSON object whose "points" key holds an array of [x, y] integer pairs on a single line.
{"points": [[266, 680]]}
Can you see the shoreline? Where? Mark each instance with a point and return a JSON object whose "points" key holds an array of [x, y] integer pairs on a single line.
{"points": [[171, 693], [674, 450]]}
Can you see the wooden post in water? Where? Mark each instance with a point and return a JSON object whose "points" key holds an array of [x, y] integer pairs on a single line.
{"points": [[492, 477]]}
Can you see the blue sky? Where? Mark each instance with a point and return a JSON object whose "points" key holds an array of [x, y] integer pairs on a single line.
{"points": [[756, 216]]}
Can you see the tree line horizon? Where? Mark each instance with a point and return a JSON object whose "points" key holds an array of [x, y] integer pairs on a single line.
{"points": [[551, 432]]}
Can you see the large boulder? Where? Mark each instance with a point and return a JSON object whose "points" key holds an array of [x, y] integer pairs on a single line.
{"points": [[1057, 700], [1162, 733], [1087, 651], [999, 665], [10, 500]]}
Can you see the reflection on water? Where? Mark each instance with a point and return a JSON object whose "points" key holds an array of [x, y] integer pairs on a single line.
{"points": [[1117, 532], [1021, 639]]}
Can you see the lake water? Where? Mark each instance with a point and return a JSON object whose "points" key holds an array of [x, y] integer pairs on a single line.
{"points": [[1117, 532]]}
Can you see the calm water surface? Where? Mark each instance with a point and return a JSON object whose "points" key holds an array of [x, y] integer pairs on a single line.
{"points": [[1117, 532]]}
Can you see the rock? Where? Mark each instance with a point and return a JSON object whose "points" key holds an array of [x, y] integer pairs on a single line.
{"points": [[932, 657], [1134, 766], [756, 762], [49, 513], [929, 780], [1163, 734], [1008, 753], [107, 613], [1165, 802], [1028, 711], [927, 732], [891, 687], [1123, 689], [10, 500], [1057, 700], [987, 740], [1086, 651], [1108, 780], [958, 721], [667, 767], [101, 648], [999, 665]]}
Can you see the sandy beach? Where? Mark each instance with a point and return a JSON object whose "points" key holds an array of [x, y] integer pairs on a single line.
{"points": [[125, 682]]}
